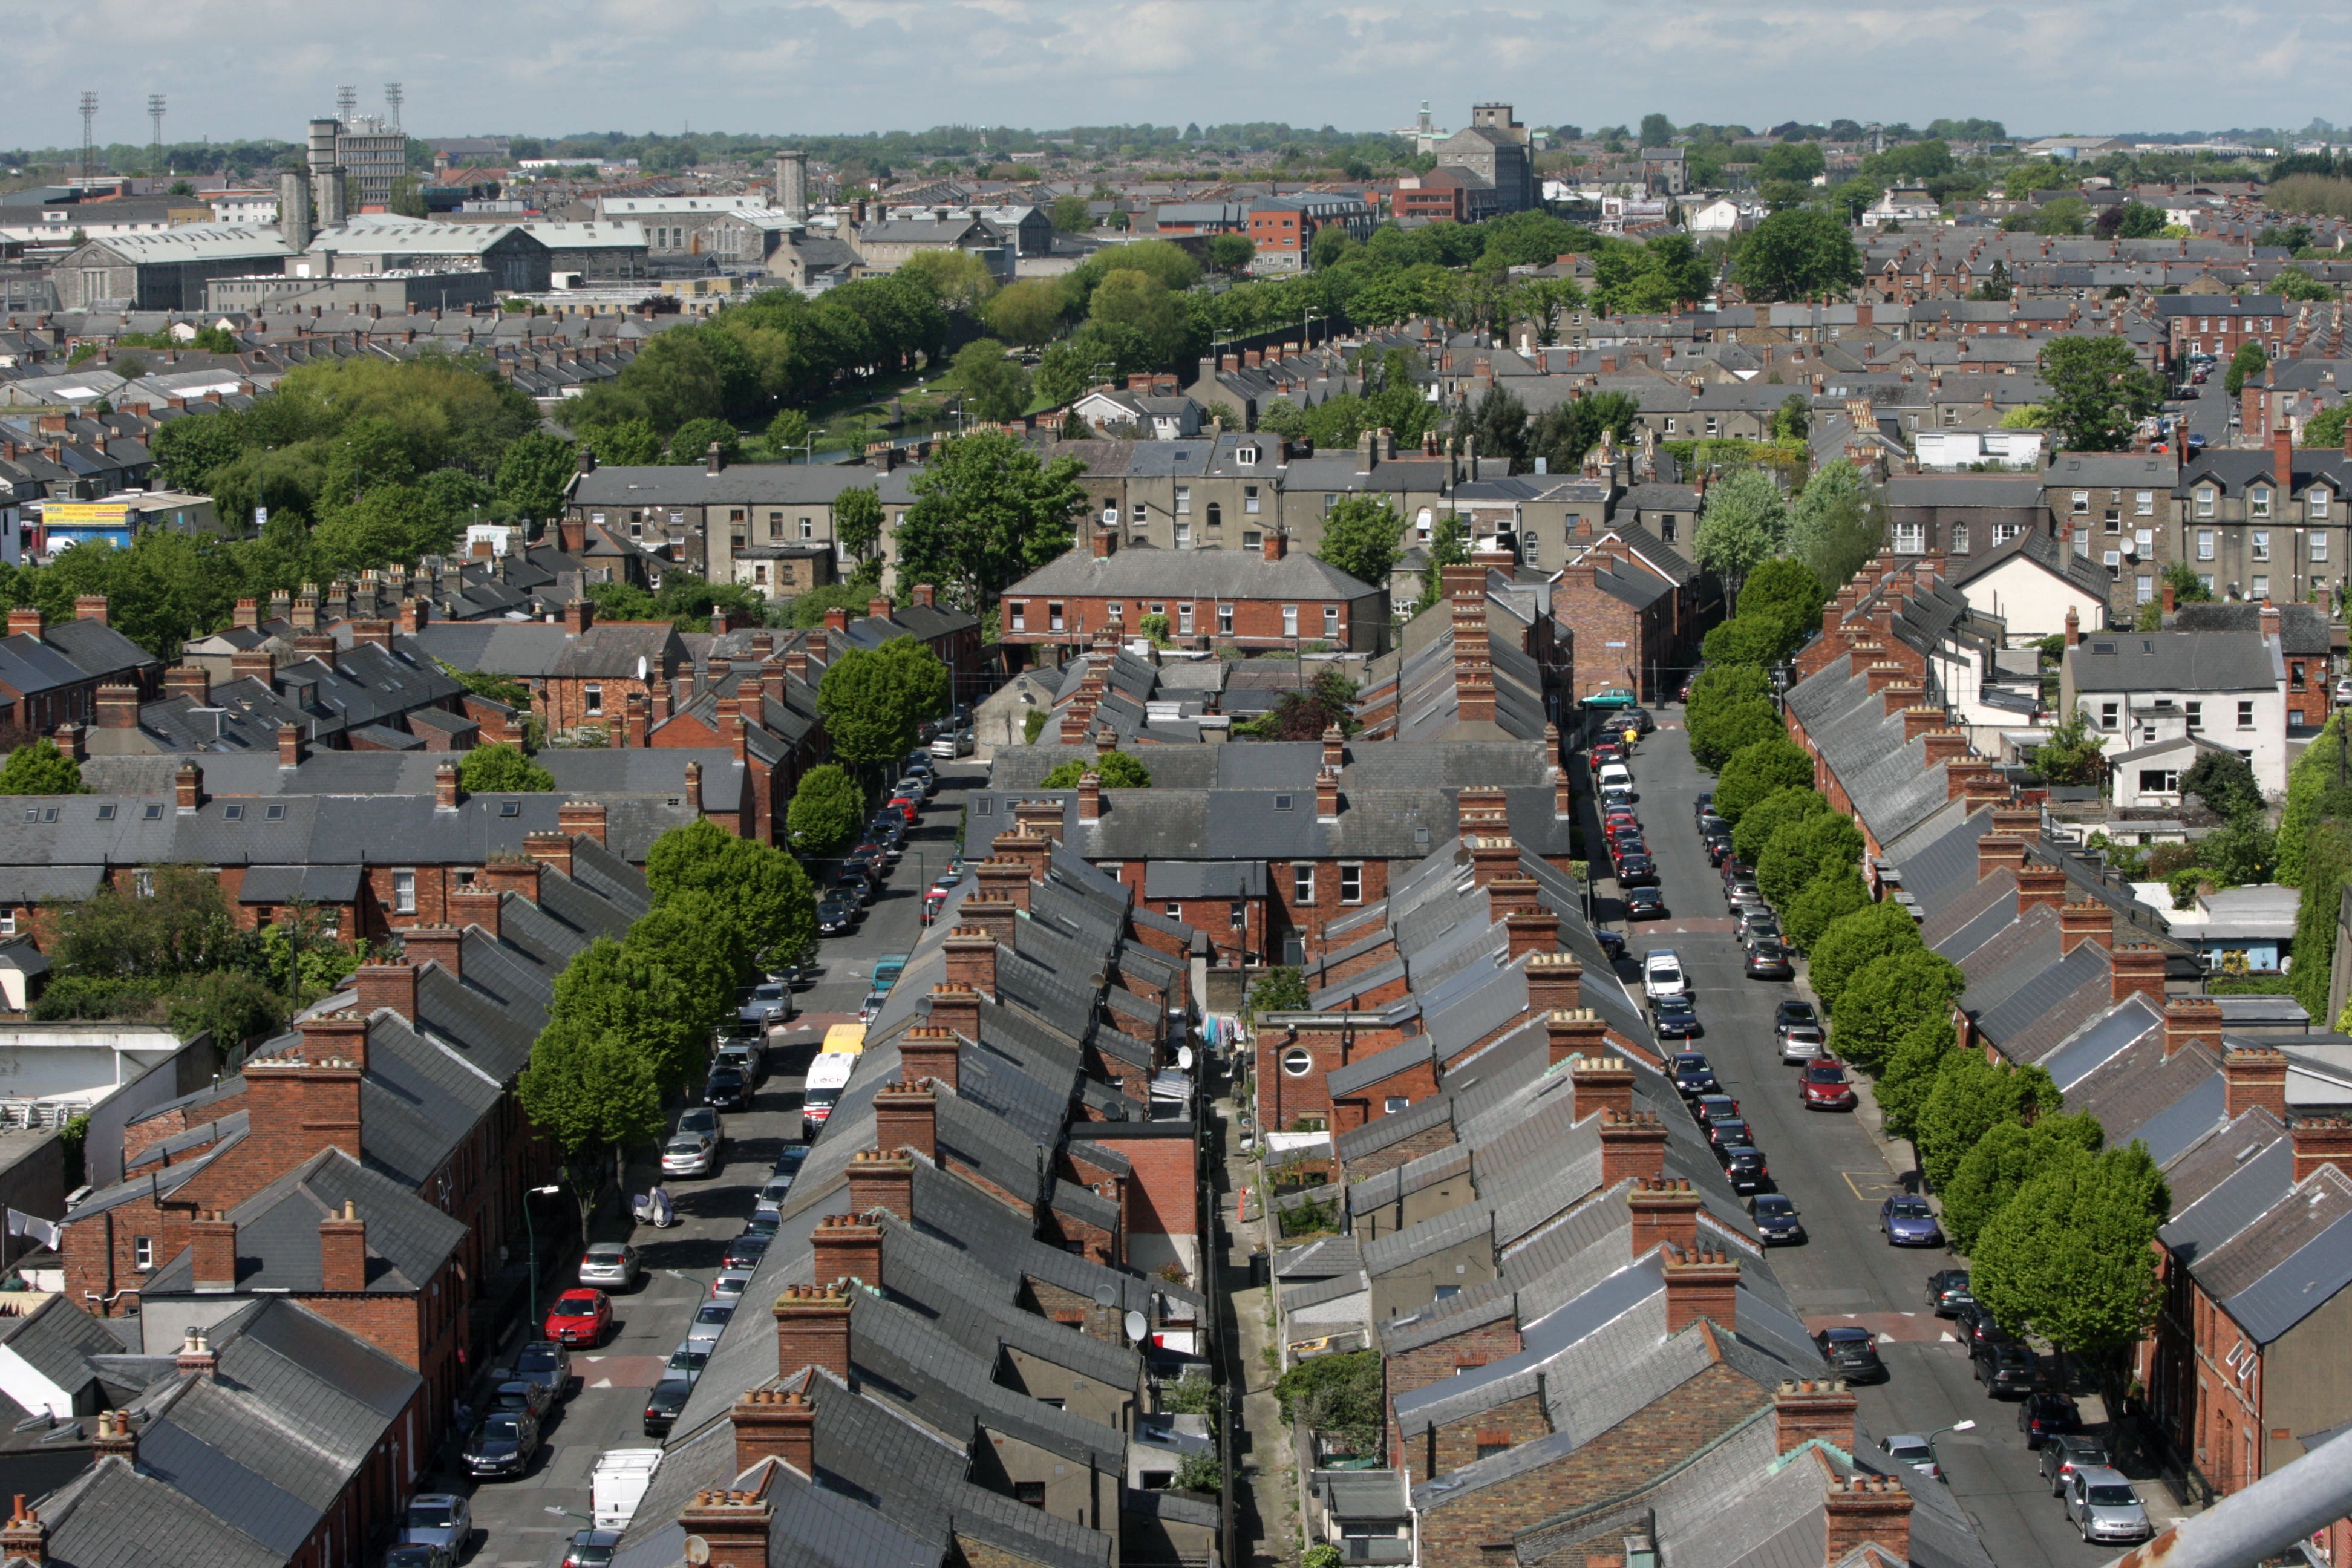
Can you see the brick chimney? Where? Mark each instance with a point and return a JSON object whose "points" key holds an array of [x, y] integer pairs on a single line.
{"points": [[2252, 1076], [1872, 1509], [2322, 1141], [90, 607], [1326, 796], [1633, 1145], [252, 664], [1090, 796], [1574, 1032], [1277, 543], [1003, 879], [2073, 627], [846, 1247], [1555, 981], [882, 1181], [1492, 856], [774, 1424], [1602, 1084], [1663, 1212], [1919, 720], [2191, 1021], [1701, 1283], [27, 621], [997, 919], [2040, 887], [446, 792], [1474, 691], [343, 1251], [247, 616], [1995, 853], [1535, 932], [1900, 695], [290, 752], [812, 1324], [24, 1536], [1945, 746], [2089, 921], [930, 1054], [512, 874], [391, 985], [188, 786], [116, 1437], [1882, 675], [440, 944], [1335, 748], [2272, 621], [553, 850], [195, 1357], [193, 681], [581, 819], [734, 1524], [2137, 967], [2283, 455], [906, 1115], [475, 907], [1802, 1411], [212, 1237], [971, 959], [956, 1009], [578, 614], [1478, 806], [117, 707]]}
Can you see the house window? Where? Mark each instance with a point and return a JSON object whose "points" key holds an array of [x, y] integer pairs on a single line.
{"points": [[1397, 1105], [2196, 711], [1184, 619], [1174, 912], [1959, 539], [1290, 620], [2258, 502], [2314, 505], [2246, 713], [2205, 581], [1297, 1061], [593, 696], [1183, 500], [2295, 675], [1052, 615], [1183, 536], [1302, 884], [1910, 539], [2261, 585], [1216, 514], [808, 528], [1249, 499], [7, 921], [1670, 423], [1225, 620], [2112, 560], [2144, 589], [1245, 456], [1330, 620], [2159, 781], [1424, 525], [1114, 609], [2318, 549], [2205, 501], [144, 883], [1351, 884], [1019, 613], [2260, 538], [2205, 544], [1714, 426], [1111, 516], [403, 892], [2143, 504], [142, 1253], [1237, 914], [1030, 1492], [2108, 715], [1252, 539], [2082, 502]]}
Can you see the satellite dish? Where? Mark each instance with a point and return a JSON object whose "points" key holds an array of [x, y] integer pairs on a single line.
{"points": [[697, 1551], [1136, 1327], [1184, 1057], [1105, 1295]]}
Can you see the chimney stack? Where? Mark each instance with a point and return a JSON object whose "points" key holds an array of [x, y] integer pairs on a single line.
{"points": [[906, 1115], [848, 1246], [1632, 1145], [774, 1424], [1663, 1212], [929, 1054], [882, 1181], [2137, 968], [812, 1324], [1701, 1283], [1575, 1034], [1872, 1509], [2322, 1141], [2089, 921], [1555, 982], [1803, 1411], [2251, 1076], [343, 1251]]}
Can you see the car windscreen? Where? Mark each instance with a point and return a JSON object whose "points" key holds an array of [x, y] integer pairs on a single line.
{"points": [[2113, 1496], [1825, 1075], [1910, 1209], [503, 1427], [1909, 1453], [715, 1312], [537, 1361], [431, 1516], [1775, 1206]]}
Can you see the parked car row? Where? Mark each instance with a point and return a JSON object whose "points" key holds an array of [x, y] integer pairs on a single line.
{"points": [[737, 1263]]}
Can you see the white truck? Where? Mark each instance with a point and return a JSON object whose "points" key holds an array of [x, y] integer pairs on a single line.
{"points": [[618, 1484]]}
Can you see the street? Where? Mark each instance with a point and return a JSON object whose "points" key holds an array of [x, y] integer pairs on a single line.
{"points": [[1837, 1172], [526, 1523]]}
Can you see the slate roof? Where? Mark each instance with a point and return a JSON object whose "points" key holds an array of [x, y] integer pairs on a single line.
{"points": [[56, 1341], [1229, 574], [408, 1239], [111, 1516], [2129, 661]]}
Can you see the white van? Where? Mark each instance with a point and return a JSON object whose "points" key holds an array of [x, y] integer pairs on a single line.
{"points": [[618, 1484], [1661, 974], [1616, 775]]}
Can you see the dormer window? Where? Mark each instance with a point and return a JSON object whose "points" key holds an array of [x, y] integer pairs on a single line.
{"points": [[2315, 504], [2258, 502], [2205, 501], [1245, 456]]}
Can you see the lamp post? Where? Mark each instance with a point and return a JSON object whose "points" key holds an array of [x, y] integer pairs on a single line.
{"points": [[1955, 1426], [530, 1239]]}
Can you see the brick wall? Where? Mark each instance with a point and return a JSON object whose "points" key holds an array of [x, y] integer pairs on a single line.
{"points": [[1403, 1151], [1447, 1449], [1415, 1083]]}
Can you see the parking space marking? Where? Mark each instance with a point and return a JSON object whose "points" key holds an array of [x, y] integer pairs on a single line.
{"points": [[1878, 1184]]}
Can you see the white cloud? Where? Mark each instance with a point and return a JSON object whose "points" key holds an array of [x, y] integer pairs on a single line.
{"points": [[258, 67]]}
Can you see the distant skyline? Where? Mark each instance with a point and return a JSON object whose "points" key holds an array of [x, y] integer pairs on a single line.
{"points": [[261, 68]]}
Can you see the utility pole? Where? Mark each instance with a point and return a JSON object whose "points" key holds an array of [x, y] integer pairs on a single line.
{"points": [[155, 114], [89, 113]]}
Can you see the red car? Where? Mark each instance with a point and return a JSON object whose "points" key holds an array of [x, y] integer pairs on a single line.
{"points": [[907, 804], [1620, 816], [1605, 752], [1825, 1086], [580, 1317]]}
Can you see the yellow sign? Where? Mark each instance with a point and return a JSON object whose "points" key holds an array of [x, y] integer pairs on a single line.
{"points": [[86, 513]]}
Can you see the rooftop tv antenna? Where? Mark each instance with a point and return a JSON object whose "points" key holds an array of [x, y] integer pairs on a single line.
{"points": [[347, 101], [155, 114], [394, 98], [89, 113]]}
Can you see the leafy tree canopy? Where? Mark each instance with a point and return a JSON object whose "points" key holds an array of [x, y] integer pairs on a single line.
{"points": [[1115, 770], [1803, 253], [1853, 941], [1744, 525], [2098, 392], [1359, 538], [501, 769], [40, 768], [2071, 1256], [1755, 771], [828, 810], [987, 511]]}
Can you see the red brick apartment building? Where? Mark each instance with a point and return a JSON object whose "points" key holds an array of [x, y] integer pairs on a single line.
{"points": [[1265, 599]]}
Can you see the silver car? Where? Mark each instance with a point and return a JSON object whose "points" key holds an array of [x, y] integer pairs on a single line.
{"points": [[709, 1321], [613, 1265], [2100, 1503], [691, 1154], [438, 1519]]}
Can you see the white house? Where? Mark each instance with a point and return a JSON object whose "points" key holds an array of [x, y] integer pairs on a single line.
{"points": [[1901, 204], [2175, 690], [2035, 586], [1945, 451], [1721, 216]]}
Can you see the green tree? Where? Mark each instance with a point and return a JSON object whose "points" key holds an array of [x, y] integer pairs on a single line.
{"points": [[957, 279], [2299, 286], [987, 510], [1278, 989], [1116, 770], [1794, 420], [501, 769], [857, 523], [1910, 1073], [1337, 1394], [2225, 782], [1721, 685], [1500, 424], [1565, 432], [180, 925], [2070, 753], [2138, 220], [1140, 303], [1800, 254], [1855, 940], [1816, 845], [2071, 1256], [1971, 1097], [1071, 214], [1783, 586], [594, 1097], [826, 811], [1359, 538], [1755, 771], [1028, 313], [2318, 786], [2098, 393], [1657, 130], [2005, 1158], [534, 474], [234, 1006], [1232, 253], [1821, 903], [760, 891], [996, 387], [1722, 730], [2326, 864], [1766, 817], [2249, 360], [788, 432], [874, 701], [40, 768], [695, 940], [626, 443], [1761, 640], [1744, 525], [1887, 997], [612, 990], [692, 442], [1449, 545]]}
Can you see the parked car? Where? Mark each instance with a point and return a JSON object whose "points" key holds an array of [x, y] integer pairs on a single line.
{"points": [[767, 1004], [1909, 1222], [2102, 1504], [438, 1519], [886, 970], [1704, 807], [1770, 961], [662, 1406], [2043, 1414], [592, 1549], [2006, 1367], [838, 914], [1717, 846], [1852, 1353], [414, 1556], [1729, 1135], [1975, 1325], [1792, 1011], [1612, 944], [748, 1058], [709, 1321], [1744, 1163], [2067, 1452], [1637, 717], [545, 1362], [1662, 973], [871, 1007], [725, 1088], [1802, 1043], [581, 1317], [1823, 1085], [909, 806], [1694, 1075], [1948, 1292], [613, 1264], [1675, 1018], [1636, 872], [1752, 922], [1616, 795], [745, 1251], [854, 883], [1708, 1108], [690, 1155], [688, 1360], [520, 1394], [1777, 1224], [771, 1197], [503, 1445], [1644, 903], [764, 1222], [729, 1284], [701, 1118], [950, 746], [1910, 1449]]}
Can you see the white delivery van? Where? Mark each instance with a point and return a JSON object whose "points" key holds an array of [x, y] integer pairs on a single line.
{"points": [[1616, 775], [619, 1483]]}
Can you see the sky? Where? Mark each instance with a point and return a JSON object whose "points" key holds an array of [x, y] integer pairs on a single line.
{"points": [[239, 68]]}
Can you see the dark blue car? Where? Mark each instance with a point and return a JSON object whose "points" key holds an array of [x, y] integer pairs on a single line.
{"points": [[1693, 1073], [1909, 1222]]}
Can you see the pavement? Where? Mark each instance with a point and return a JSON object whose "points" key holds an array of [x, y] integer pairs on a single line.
{"points": [[1267, 1503], [527, 1522], [1838, 1167]]}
